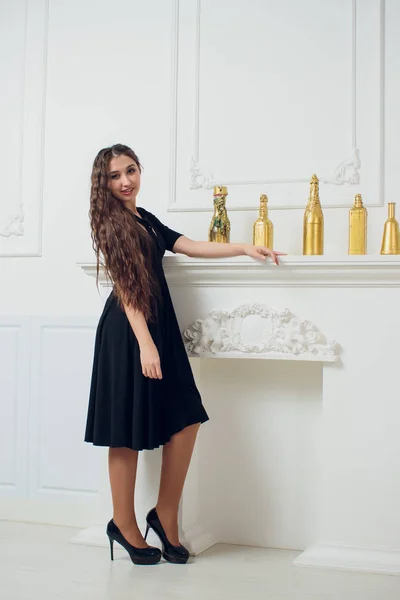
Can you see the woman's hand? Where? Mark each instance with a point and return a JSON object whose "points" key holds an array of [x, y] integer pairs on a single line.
{"points": [[261, 253], [150, 360]]}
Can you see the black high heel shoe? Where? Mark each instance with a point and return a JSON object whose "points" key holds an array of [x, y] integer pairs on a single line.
{"points": [[174, 554], [139, 556]]}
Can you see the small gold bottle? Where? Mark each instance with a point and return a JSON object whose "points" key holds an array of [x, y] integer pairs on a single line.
{"points": [[220, 227], [358, 227], [313, 224], [390, 239], [263, 229]]}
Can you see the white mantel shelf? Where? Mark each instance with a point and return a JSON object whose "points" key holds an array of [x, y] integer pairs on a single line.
{"points": [[294, 271]]}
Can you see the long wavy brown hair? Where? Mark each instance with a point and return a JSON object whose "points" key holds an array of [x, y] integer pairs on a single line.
{"points": [[122, 247]]}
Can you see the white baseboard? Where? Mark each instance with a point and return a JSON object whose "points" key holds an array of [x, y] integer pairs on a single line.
{"points": [[350, 558], [197, 540], [91, 536], [30, 510], [194, 538]]}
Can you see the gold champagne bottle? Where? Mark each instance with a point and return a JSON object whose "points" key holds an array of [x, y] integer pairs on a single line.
{"points": [[220, 227], [263, 229], [313, 224], [358, 227], [390, 239]]}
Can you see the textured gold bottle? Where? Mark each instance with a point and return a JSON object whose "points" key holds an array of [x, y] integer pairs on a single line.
{"points": [[263, 229], [358, 227], [313, 224], [390, 239], [220, 227]]}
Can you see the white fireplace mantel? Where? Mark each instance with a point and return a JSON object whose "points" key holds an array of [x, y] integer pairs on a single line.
{"points": [[294, 271], [346, 515]]}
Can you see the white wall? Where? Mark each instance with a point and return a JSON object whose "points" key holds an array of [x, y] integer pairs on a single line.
{"points": [[109, 75], [278, 96]]}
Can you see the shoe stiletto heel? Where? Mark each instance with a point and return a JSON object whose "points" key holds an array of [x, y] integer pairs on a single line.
{"points": [[139, 556], [111, 547], [147, 531], [173, 554]]}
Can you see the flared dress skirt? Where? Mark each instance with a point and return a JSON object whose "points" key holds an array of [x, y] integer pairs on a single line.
{"points": [[126, 408]]}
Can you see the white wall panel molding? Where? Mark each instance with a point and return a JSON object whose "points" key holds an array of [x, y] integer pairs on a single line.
{"points": [[347, 156], [44, 388], [24, 40], [61, 360], [14, 405], [9, 346]]}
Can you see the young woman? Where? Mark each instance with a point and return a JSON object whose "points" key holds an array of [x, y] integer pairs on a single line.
{"points": [[143, 393]]}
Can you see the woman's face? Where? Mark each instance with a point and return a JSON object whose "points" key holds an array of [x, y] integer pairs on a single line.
{"points": [[124, 179]]}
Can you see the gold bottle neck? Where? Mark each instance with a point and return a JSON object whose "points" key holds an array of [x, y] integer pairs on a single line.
{"points": [[263, 207], [358, 203], [391, 206], [219, 206], [313, 200], [314, 191]]}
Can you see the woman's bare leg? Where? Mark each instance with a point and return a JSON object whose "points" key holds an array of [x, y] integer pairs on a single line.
{"points": [[122, 467], [175, 463]]}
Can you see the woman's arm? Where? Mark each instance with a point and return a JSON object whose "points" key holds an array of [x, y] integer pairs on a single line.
{"points": [[184, 245], [149, 356]]}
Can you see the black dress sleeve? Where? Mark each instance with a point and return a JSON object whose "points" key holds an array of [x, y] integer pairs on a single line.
{"points": [[170, 236]]}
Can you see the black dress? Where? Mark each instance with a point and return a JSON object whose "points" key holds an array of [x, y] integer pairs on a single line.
{"points": [[127, 409]]}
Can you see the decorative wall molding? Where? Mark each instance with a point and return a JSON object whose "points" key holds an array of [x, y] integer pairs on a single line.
{"points": [[44, 387], [203, 176], [276, 334], [198, 178], [14, 385], [52, 339], [14, 225], [347, 171], [20, 233], [10, 336]]}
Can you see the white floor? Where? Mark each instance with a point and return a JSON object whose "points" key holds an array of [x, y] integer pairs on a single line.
{"points": [[37, 562]]}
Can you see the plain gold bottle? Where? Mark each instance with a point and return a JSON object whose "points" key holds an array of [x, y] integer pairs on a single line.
{"points": [[390, 239], [263, 229], [313, 223], [358, 227]]}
